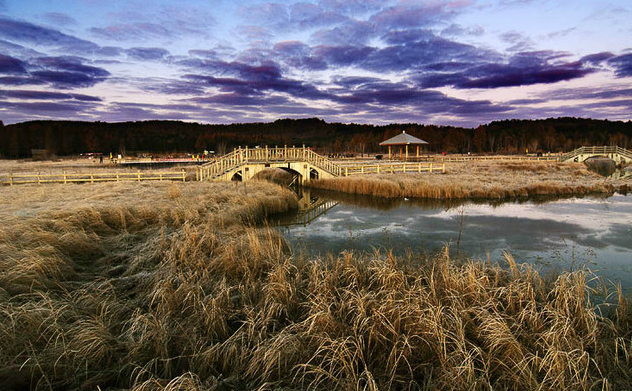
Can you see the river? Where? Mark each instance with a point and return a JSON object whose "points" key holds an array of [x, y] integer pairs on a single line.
{"points": [[553, 234]]}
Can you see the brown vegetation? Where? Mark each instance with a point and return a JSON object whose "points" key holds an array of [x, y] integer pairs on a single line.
{"points": [[491, 180], [164, 287]]}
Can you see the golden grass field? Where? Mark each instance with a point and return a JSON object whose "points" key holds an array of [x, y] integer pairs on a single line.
{"points": [[479, 179], [171, 286]]}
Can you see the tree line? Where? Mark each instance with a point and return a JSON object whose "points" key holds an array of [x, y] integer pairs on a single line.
{"points": [[507, 136]]}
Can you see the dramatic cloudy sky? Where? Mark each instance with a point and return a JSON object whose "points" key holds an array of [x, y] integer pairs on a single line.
{"points": [[460, 62]]}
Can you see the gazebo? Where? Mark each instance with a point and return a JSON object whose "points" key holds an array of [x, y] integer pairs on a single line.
{"points": [[403, 139]]}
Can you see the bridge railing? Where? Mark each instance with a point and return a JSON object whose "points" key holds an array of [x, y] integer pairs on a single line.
{"points": [[241, 156], [596, 150]]}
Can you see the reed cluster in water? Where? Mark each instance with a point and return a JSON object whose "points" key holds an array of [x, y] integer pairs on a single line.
{"points": [[490, 180], [176, 292]]}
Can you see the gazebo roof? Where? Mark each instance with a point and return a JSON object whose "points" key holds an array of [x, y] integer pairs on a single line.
{"points": [[403, 139]]}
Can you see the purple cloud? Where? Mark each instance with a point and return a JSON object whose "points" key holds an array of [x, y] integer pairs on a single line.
{"points": [[147, 54], [406, 15], [71, 64], [521, 69], [47, 95], [623, 65], [59, 18], [30, 33], [19, 81], [10, 65], [132, 31]]}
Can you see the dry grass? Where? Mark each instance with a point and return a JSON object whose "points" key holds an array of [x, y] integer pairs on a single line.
{"points": [[151, 288], [490, 180]]}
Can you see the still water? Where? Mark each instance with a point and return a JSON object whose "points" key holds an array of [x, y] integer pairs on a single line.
{"points": [[553, 234]]}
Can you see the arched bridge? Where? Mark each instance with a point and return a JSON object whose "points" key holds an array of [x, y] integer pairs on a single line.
{"points": [[581, 154], [244, 163]]}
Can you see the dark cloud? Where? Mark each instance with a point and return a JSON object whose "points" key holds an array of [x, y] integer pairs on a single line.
{"points": [[457, 30], [71, 64], [19, 81], [343, 55], [238, 99], [17, 31], [296, 54], [47, 95], [10, 65], [147, 54], [305, 15], [349, 33], [518, 41], [597, 58], [407, 15], [521, 69], [59, 18], [61, 72], [44, 109], [623, 65]]}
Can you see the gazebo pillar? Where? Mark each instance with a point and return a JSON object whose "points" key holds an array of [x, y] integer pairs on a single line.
{"points": [[406, 151], [417, 150], [389, 152]]}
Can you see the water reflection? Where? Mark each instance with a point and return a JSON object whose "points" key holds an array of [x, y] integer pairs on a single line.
{"points": [[552, 233]]}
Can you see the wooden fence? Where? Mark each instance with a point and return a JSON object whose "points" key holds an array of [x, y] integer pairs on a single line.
{"points": [[91, 177], [392, 168]]}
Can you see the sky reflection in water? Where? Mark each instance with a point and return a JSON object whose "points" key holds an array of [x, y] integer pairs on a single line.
{"points": [[592, 232]]}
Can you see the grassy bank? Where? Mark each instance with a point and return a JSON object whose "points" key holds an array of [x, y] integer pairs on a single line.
{"points": [[168, 287], [490, 180]]}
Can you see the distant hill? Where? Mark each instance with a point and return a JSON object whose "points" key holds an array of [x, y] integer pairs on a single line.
{"points": [[509, 136]]}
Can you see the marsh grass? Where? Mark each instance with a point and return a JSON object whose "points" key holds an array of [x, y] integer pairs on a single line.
{"points": [[482, 180], [158, 289]]}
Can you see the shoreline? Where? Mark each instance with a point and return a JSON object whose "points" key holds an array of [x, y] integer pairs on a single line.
{"points": [[483, 181]]}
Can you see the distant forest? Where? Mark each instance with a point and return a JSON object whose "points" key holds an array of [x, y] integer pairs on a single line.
{"points": [[509, 136]]}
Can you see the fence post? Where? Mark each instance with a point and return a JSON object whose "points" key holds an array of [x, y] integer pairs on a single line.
{"points": [[65, 179], [91, 177], [430, 169], [160, 176], [38, 178], [184, 176], [419, 167], [138, 172], [346, 171], [378, 168], [443, 168], [11, 179]]}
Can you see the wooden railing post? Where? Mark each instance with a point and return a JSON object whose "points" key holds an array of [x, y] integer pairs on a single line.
{"points": [[430, 168], [443, 168], [38, 178], [138, 172], [184, 176], [65, 178], [11, 179]]}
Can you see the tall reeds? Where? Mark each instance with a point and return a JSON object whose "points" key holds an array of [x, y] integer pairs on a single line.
{"points": [[182, 294]]}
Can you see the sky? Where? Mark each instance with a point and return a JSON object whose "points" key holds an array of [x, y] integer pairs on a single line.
{"points": [[458, 62]]}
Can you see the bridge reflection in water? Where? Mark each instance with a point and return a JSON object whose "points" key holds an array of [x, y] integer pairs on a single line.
{"points": [[310, 207]]}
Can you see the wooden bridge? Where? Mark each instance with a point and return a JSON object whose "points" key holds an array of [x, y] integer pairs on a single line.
{"points": [[244, 163], [581, 154]]}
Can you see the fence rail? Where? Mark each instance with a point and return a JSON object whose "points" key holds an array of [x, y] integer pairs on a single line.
{"points": [[392, 168], [91, 177]]}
